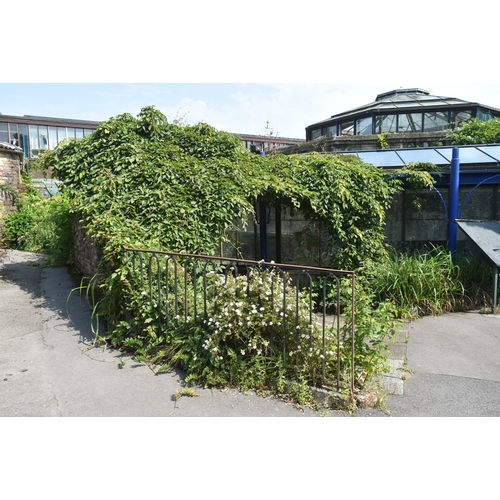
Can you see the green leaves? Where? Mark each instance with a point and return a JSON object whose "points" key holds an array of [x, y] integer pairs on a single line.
{"points": [[478, 132]]}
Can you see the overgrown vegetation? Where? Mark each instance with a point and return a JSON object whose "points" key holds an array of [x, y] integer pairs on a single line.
{"points": [[147, 183], [40, 225], [478, 132]]}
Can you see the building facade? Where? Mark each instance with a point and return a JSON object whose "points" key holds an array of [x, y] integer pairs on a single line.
{"points": [[402, 111], [34, 134]]}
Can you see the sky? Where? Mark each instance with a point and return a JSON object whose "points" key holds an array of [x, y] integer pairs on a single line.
{"points": [[286, 108]]}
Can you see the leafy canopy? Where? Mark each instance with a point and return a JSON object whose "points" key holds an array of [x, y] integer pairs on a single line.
{"points": [[478, 132], [148, 183]]}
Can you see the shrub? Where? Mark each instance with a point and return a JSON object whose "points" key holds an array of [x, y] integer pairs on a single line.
{"points": [[416, 284], [40, 225]]}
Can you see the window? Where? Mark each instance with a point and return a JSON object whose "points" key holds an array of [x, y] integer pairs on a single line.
{"points": [[315, 134], [71, 132], [483, 115], [330, 131], [364, 126], [459, 117], [88, 131], [4, 133], [79, 133], [347, 128], [385, 124], [52, 137], [34, 144], [411, 122], [24, 143], [436, 121], [14, 134], [44, 136], [61, 134]]}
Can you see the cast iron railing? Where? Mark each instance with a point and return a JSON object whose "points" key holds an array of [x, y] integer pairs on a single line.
{"points": [[179, 288]]}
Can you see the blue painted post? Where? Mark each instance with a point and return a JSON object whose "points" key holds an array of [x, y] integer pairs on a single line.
{"points": [[453, 205]]}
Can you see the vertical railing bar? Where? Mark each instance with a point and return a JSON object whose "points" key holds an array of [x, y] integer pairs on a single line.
{"points": [[352, 332], [185, 292], [167, 291], [195, 292], [176, 293]]}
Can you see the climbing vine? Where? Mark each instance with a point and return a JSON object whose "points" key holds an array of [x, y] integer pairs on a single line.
{"points": [[146, 183]]}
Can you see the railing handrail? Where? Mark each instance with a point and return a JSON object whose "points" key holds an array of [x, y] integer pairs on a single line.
{"points": [[243, 261]]}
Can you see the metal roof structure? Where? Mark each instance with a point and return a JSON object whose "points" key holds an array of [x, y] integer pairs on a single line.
{"points": [[486, 235], [48, 120], [10, 147], [410, 110], [407, 100]]}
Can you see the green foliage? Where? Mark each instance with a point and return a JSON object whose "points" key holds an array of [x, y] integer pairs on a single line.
{"points": [[12, 192], [416, 285], [40, 225], [147, 183], [478, 132], [382, 139]]}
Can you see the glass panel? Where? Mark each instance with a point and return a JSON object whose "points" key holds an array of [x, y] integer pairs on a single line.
{"points": [[410, 122], [492, 151], [24, 140], [483, 115], [4, 134], [316, 133], [436, 121], [330, 131], [364, 126], [423, 156], [88, 131], [52, 137], [71, 132], [34, 140], [473, 155], [385, 124], [14, 134], [61, 134], [79, 133], [458, 117], [347, 128], [44, 137], [381, 158]]}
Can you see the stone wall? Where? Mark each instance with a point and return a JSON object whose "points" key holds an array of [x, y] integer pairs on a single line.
{"points": [[370, 142], [86, 252], [11, 161], [10, 176]]}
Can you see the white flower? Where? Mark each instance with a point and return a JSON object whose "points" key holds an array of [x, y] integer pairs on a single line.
{"points": [[242, 352]]}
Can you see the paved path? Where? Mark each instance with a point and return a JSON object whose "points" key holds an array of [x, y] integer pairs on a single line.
{"points": [[49, 368]]}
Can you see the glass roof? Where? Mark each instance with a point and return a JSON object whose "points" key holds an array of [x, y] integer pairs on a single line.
{"points": [[440, 156], [403, 99], [423, 155]]}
